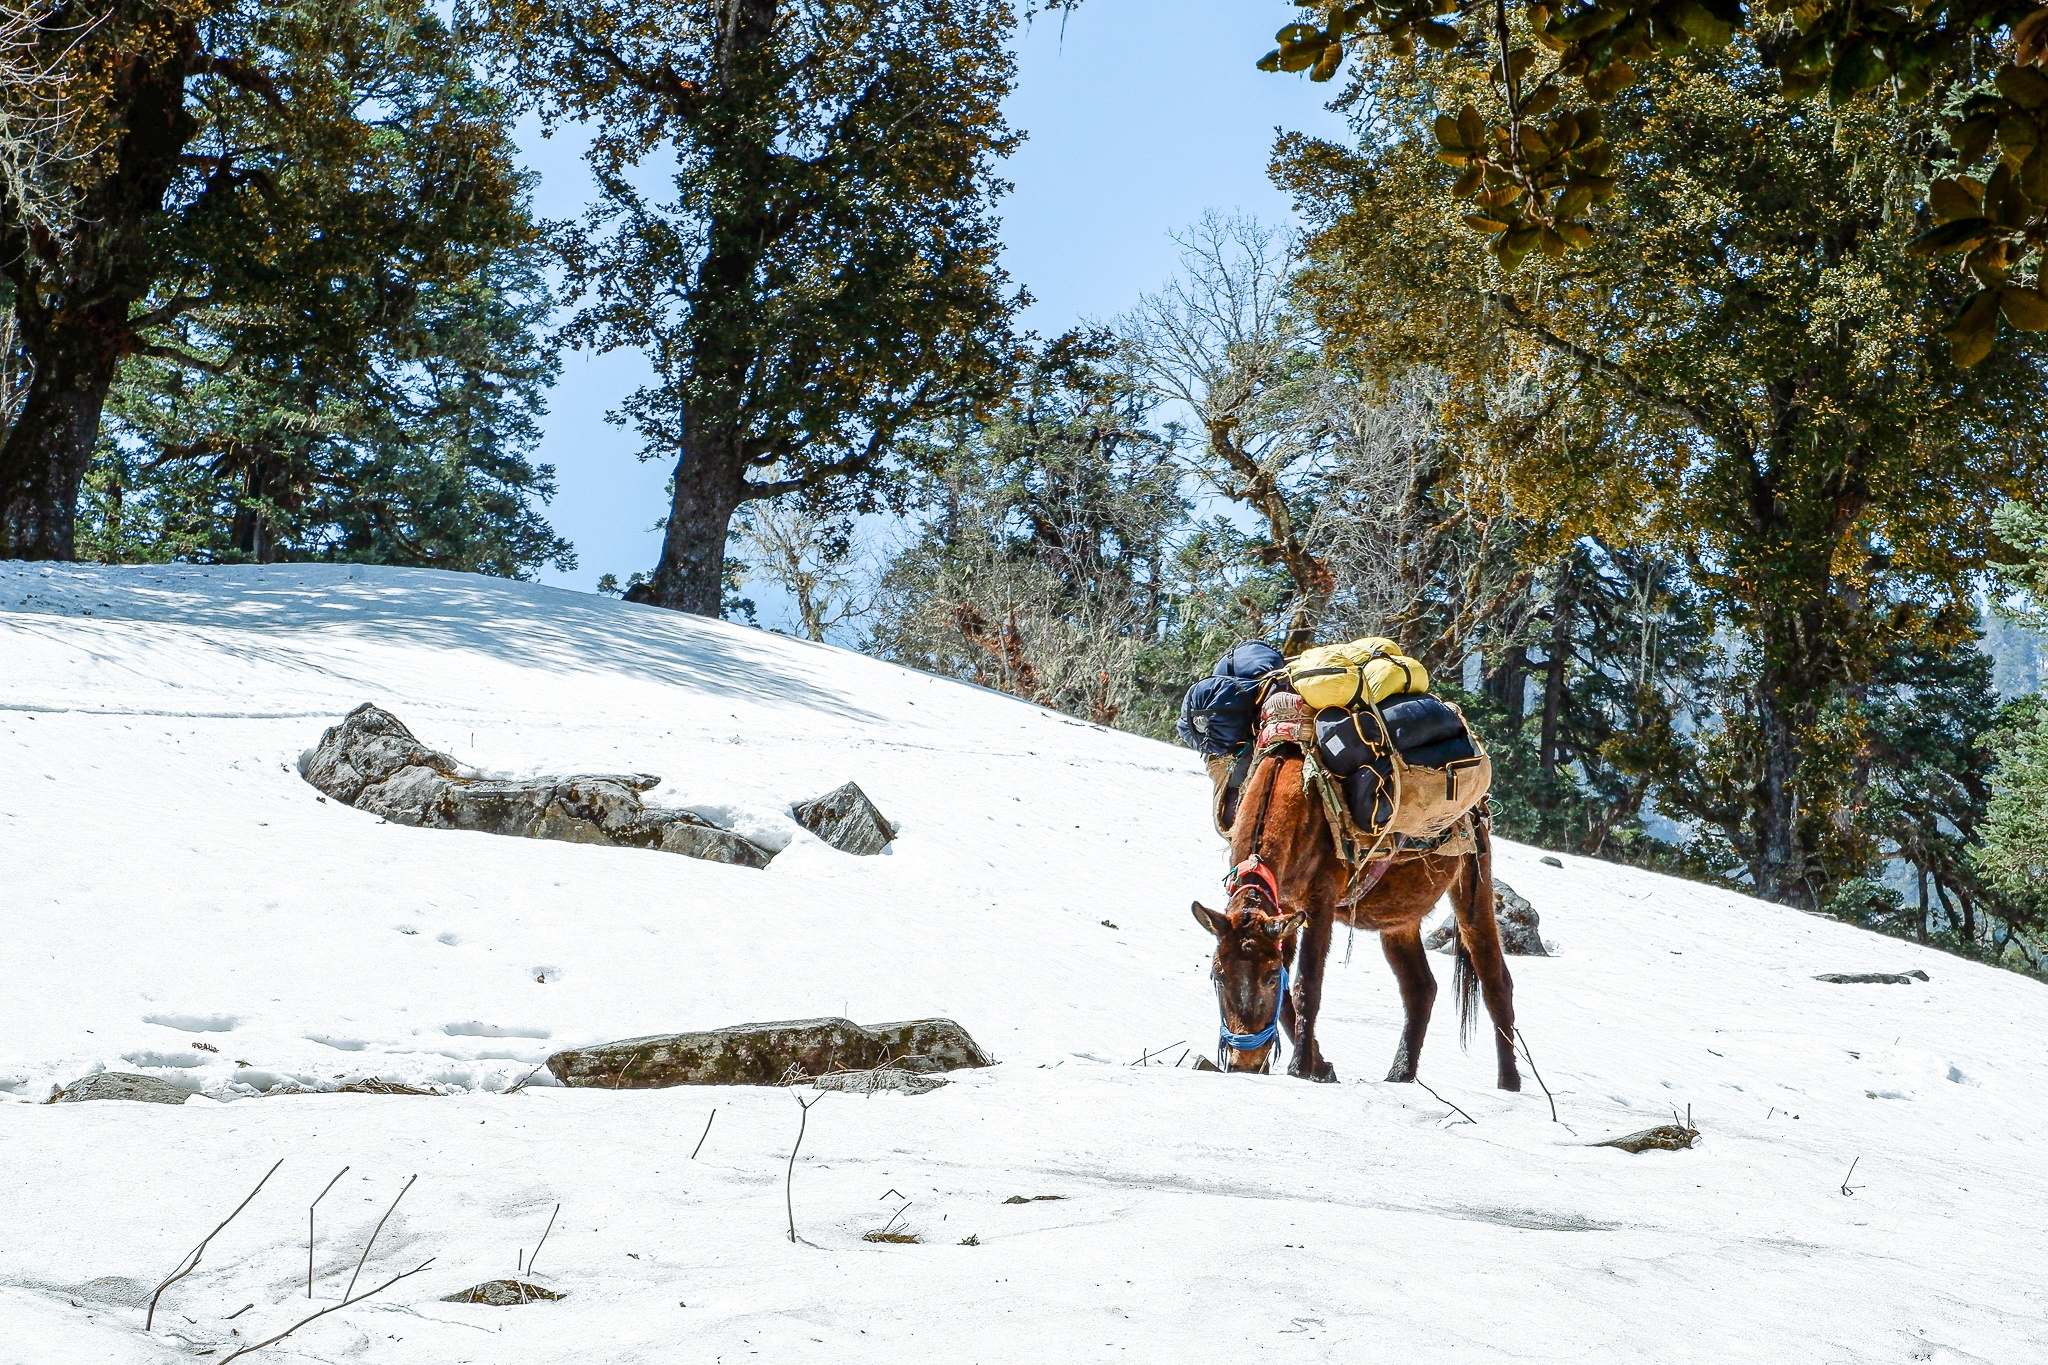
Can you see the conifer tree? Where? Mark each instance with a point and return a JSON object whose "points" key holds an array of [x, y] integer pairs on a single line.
{"points": [[821, 275]]}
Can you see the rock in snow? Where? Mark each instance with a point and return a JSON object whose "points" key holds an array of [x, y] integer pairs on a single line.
{"points": [[1872, 978], [372, 762], [1519, 926], [502, 1293], [121, 1085], [847, 820], [769, 1054]]}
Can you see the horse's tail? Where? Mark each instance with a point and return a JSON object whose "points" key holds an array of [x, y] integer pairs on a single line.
{"points": [[1465, 981], [1478, 915]]}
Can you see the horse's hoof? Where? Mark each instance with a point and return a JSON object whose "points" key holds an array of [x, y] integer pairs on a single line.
{"points": [[1511, 1083], [1326, 1073]]}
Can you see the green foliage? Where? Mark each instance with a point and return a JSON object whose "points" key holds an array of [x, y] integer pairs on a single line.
{"points": [[1529, 179], [2019, 562], [1873, 905], [2013, 857]]}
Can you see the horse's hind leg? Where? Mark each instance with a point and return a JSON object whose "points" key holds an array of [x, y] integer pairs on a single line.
{"points": [[1479, 944], [1403, 947]]}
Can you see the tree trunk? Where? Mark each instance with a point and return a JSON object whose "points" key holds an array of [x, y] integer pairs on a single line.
{"points": [[46, 454], [710, 484], [1508, 684], [1553, 680], [711, 473], [1778, 863], [73, 298]]}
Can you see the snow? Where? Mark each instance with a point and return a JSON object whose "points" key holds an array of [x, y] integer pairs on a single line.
{"points": [[175, 900]]}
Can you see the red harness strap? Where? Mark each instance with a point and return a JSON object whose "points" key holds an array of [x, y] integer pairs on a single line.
{"points": [[1255, 870]]}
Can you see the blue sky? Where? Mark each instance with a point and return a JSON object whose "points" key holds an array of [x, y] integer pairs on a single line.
{"points": [[1141, 115]]}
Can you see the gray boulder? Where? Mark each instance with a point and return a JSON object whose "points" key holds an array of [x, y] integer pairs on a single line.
{"points": [[372, 762], [369, 747], [1520, 934], [1872, 978], [769, 1054], [121, 1085], [847, 820]]}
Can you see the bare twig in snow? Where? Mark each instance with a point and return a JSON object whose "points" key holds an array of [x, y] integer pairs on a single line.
{"points": [[789, 1176], [1145, 1058], [520, 1085], [701, 1136], [1441, 1100], [543, 1239], [309, 1229], [191, 1261], [272, 1341], [1530, 1058], [372, 1242], [1852, 1171]]}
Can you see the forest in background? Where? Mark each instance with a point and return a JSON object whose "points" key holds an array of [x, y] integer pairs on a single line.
{"points": [[1691, 435]]}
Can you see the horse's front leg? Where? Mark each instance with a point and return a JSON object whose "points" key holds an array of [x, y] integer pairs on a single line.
{"points": [[1310, 960], [1403, 947]]}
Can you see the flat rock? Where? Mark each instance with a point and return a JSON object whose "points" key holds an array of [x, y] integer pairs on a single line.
{"points": [[1666, 1137], [1520, 934], [881, 1078], [503, 1293], [847, 820], [930, 1045], [121, 1085], [769, 1054], [372, 762], [1872, 978]]}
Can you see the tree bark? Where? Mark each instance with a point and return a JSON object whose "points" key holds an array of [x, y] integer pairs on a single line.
{"points": [[45, 456], [711, 472], [710, 484], [1778, 863], [74, 301], [1508, 684], [1553, 680]]}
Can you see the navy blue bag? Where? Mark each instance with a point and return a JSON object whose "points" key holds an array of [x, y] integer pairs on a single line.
{"points": [[1218, 715], [1418, 721], [1348, 740], [1252, 659]]}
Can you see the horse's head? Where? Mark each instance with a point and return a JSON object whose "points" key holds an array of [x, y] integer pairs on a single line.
{"points": [[1253, 941]]}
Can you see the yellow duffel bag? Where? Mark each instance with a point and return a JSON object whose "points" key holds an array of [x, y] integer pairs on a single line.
{"points": [[1352, 674]]}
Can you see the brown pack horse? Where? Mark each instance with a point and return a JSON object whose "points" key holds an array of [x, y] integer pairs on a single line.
{"points": [[1289, 909]]}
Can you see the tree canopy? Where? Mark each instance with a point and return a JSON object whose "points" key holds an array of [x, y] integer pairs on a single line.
{"points": [[822, 273], [1534, 161], [1735, 372]]}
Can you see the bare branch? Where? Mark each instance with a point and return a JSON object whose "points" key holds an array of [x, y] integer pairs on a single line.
{"points": [[373, 1239], [330, 1308], [191, 1261]]}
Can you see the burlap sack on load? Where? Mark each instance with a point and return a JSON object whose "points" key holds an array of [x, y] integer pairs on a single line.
{"points": [[1432, 800]]}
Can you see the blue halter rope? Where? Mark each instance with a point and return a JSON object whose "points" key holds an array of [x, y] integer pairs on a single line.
{"points": [[1251, 1042]]}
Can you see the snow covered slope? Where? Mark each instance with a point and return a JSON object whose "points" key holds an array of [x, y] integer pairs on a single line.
{"points": [[175, 900]]}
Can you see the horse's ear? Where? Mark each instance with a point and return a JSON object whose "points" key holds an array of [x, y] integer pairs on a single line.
{"points": [[1212, 920], [1283, 926]]}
